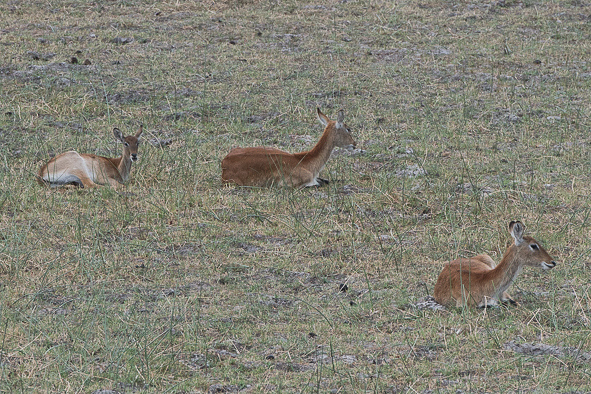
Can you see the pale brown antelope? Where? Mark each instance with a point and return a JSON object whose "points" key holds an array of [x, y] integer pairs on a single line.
{"points": [[87, 170], [264, 166], [479, 281]]}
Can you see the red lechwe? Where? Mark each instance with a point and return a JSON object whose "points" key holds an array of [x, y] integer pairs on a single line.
{"points": [[86, 170], [479, 281], [263, 166]]}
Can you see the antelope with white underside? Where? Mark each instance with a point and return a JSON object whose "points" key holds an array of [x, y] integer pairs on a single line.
{"points": [[264, 166], [479, 281], [88, 170]]}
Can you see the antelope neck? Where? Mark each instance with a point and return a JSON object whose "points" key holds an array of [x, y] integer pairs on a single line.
{"points": [[509, 267], [123, 164], [315, 158]]}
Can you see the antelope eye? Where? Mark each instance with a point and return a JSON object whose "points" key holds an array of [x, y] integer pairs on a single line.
{"points": [[348, 130], [126, 144], [534, 246]]}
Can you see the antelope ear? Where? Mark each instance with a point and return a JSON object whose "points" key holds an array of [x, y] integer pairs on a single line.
{"points": [[139, 131], [322, 118], [340, 119], [117, 133], [517, 229]]}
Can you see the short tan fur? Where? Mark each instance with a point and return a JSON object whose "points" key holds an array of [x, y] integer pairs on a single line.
{"points": [[87, 170], [264, 166], [478, 281]]}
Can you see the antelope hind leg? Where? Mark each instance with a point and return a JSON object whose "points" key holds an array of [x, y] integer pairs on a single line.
{"points": [[85, 181]]}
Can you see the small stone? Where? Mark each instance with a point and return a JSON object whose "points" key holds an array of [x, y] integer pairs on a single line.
{"points": [[169, 292], [218, 388], [160, 143], [348, 359], [122, 40], [34, 55]]}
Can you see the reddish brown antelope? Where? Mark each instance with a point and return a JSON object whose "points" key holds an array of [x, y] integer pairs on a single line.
{"points": [[86, 170], [263, 166], [479, 281]]}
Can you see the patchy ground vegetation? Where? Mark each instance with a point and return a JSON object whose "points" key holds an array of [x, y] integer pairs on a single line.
{"points": [[470, 114]]}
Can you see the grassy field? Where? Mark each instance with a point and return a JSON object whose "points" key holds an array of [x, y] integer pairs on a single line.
{"points": [[469, 115]]}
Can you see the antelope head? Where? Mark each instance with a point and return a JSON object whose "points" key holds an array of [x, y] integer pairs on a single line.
{"points": [[528, 251], [130, 143], [342, 134]]}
